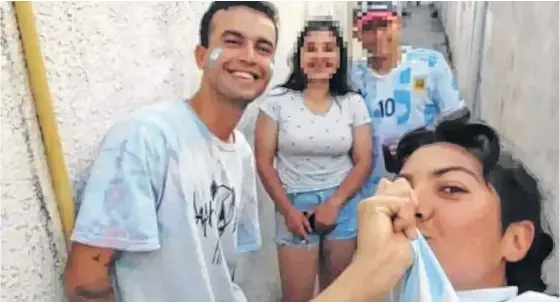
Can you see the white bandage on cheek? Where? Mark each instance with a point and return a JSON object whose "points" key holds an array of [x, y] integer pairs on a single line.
{"points": [[214, 57]]}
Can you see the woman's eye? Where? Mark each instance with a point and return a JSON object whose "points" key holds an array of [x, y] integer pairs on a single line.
{"points": [[452, 190]]}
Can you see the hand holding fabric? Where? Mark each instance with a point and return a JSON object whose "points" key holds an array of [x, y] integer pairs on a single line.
{"points": [[386, 223]]}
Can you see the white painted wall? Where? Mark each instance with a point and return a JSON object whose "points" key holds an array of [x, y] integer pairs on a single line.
{"points": [[515, 87], [103, 60]]}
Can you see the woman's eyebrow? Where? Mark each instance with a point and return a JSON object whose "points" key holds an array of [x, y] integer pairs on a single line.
{"points": [[443, 171]]}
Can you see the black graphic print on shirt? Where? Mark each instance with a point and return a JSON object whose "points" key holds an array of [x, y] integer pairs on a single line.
{"points": [[216, 215]]}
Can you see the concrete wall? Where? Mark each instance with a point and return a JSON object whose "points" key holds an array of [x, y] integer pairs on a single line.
{"points": [[506, 59], [103, 60]]}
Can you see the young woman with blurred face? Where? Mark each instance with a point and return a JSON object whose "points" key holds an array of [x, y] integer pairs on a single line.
{"points": [[318, 131]]}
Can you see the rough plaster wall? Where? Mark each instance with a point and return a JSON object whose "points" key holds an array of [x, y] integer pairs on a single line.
{"points": [[518, 85], [467, 47], [103, 60], [32, 242]]}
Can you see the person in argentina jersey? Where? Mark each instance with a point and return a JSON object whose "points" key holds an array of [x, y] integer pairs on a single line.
{"points": [[171, 198], [404, 87]]}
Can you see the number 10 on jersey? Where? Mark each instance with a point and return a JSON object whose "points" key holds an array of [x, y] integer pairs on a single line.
{"points": [[386, 107]]}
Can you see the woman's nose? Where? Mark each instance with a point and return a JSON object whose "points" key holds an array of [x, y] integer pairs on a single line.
{"points": [[425, 207]]}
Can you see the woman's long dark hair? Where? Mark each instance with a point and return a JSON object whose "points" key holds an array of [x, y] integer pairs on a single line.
{"points": [[518, 189], [338, 83]]}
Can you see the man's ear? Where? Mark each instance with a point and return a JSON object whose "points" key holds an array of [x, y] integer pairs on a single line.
{"points": [[517, 240], [200, 55]]}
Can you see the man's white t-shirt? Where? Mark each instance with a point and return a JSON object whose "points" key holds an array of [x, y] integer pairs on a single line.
{"points": [[176, 202]]}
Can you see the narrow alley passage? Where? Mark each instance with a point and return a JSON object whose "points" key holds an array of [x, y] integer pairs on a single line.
{"points": [[262, 283]]}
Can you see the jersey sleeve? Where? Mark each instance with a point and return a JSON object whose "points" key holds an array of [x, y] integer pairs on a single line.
{"points": [[249, 232], [355, 76], [446, 95], [360, 114], [118, 205]]}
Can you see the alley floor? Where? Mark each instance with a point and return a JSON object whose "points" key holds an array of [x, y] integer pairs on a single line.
{"points": [[421, 30], [261, 283]]}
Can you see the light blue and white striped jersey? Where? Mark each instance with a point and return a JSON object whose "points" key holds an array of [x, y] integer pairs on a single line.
{"points": [[414, 94], [426, 281], [176, 202]]}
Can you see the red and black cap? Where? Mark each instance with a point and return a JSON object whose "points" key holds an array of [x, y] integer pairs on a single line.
{"points": [[375, 11]]}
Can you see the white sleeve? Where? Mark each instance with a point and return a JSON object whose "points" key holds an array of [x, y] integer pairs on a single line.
{"points": [[271, 103], [360, 113], [446, 94], [248, 231]]}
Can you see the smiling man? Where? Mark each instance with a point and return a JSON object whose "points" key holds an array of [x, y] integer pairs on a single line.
{"points": [[171, 199]]}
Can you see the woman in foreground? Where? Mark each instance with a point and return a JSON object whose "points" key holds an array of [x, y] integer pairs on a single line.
{"points": [[479, 209]]}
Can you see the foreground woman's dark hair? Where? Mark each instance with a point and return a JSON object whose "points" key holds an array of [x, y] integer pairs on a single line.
{"points": [[518, 190]]}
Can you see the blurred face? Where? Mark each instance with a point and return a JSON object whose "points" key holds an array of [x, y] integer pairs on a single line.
{"points": [[459, 214], [320, 55], [380, 37], [237, 63]]}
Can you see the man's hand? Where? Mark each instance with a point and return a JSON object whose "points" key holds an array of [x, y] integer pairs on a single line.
{"points": [[386, 223]]}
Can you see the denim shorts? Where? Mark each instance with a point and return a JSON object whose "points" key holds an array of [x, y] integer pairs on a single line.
{"points": [[346, 223]]}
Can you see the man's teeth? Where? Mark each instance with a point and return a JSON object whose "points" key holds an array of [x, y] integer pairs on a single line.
{"points": [[244, 75]]}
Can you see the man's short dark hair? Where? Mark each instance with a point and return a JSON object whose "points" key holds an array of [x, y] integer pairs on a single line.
{"points": [[265, 7]]}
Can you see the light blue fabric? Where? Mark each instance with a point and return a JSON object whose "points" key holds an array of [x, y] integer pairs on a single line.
{"points": [[425, 281], [178, 215]]}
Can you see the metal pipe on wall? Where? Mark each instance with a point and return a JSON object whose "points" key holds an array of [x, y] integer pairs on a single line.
{"points": [[39, 87]]}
